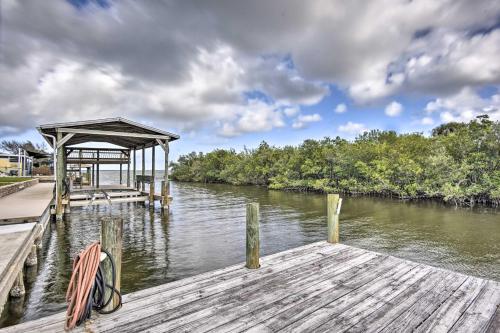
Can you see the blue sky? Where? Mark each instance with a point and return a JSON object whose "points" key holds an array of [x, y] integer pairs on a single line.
{"points": [[232, 74]]}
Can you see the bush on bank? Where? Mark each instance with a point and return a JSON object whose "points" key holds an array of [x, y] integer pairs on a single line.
{"points": [[458, 163]]}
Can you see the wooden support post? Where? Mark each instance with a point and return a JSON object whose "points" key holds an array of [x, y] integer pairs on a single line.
{"points": [[121, 173], [59, 179], [165, 189], [69, 182], [152, 183], [128, 169], [143, 171], [17, 293], [111, 241], [32, 259], [333, 210], [162, 193], [80, 167], [253, 242], [97, 171], [39, 239], [31, 264], [18, 289], [134, 174], [19, 163], [93, 174]]}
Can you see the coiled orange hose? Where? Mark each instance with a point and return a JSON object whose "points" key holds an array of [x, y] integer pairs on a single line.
{"points": [[85, 267]]}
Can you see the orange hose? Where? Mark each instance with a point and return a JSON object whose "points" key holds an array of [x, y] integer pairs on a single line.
{"points": [[82, 279]]}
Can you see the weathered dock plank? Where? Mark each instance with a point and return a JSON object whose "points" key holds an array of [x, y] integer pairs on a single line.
{"points": [[318, 287], [87, 196], [83, 203], [480, 314]]}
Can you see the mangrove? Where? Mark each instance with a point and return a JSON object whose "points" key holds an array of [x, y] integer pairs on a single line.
{"points": [[458, 163]]}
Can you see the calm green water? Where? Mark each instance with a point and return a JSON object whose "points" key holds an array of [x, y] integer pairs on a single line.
{"points": [[206, 231]]}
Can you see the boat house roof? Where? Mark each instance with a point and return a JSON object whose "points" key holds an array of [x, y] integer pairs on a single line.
{"points": [[118, 131]]}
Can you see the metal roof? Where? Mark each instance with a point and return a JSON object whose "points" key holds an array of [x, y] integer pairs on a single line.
{"points": [[117, 131]]}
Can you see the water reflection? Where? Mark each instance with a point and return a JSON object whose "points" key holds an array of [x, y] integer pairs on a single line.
{"points": [[205, 230]]}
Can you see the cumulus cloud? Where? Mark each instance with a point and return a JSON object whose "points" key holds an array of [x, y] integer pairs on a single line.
{"points": [[465, 106], [256, 116], [291, 111], [393, 109], [65, 63], [303, 120], [341, 108], [448, 61], [352, 128], [192, 65], [427, 121]]}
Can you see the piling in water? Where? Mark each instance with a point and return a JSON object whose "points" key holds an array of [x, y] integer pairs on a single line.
{"points": [[18, 289], [253, 242], [333, 211], [111, 241], [31, 265]]}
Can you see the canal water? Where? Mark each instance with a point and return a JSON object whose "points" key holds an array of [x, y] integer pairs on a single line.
{"points": [[205, 230]]}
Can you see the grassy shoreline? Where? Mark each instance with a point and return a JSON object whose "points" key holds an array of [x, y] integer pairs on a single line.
{"points": [[8, 180]]}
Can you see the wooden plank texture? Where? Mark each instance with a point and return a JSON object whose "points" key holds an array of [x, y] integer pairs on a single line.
{"points": [[319, 287]]}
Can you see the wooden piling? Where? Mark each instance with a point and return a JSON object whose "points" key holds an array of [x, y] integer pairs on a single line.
{"points": [[134, 168], [333, 211], [152, 182], [18, 289], [128, 168], [17, 294], [31, 265], [165, 189], [143, 171], [59, 178], [252, 236], [163, 197], [121, 173], [111, 241], [97, 171]]}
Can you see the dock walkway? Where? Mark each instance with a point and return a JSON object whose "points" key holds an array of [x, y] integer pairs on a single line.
{"points": [[315, 288], [24, 216], [26, 205]]}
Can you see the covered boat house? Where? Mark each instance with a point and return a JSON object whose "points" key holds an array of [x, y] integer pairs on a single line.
{"points": [[75, 187]]}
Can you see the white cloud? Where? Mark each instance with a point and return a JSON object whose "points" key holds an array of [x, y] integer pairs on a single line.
{"points": [[257, 116], [202, 61], [465, 106], [291, 111], [303, 120], [352, 128], [450, 60], [211, 93], [341, 108], [393, 109], [427, 121]]}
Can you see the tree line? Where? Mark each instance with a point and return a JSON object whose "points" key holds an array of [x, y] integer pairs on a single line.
{"points": [[13, 146], [458, 163]]}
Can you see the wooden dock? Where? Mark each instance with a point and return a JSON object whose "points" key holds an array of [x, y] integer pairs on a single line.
{"points": [[97, 196], [30, 209], [319, 287], [26, 205]]}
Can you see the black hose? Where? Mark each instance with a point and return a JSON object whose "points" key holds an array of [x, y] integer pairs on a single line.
{"points": [[65, 187], [96, 299]]}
